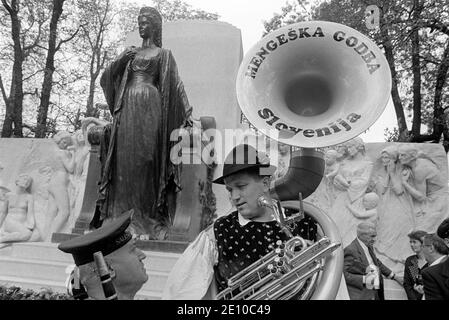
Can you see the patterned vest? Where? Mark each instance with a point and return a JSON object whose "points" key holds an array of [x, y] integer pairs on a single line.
{"points": [[239, 246]]}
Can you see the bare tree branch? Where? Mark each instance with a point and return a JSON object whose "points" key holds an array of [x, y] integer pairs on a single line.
{"points": [[62, 41], [7, 6]]}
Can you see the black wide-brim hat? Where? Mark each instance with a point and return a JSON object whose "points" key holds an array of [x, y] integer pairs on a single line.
{"points": [[244, 157]]}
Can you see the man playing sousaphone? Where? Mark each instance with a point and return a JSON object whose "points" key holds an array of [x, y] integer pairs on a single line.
{"points": [[236, 240]]}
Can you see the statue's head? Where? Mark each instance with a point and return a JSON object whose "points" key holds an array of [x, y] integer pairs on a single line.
{"points": [[24, 181], [355, 146], [342, 150], [63, 139], [407, 154], [150, 25], [79, 137], [388, 154], [331, 156], [370, 200]]}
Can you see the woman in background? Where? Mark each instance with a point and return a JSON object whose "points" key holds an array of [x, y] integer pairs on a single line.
{"points": [[413, 266]]}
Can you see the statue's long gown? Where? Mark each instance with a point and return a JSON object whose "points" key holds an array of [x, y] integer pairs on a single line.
{"points": [[149, 102]]}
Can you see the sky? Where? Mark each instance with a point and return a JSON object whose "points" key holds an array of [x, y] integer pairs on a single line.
{"points": [[248, 16]]}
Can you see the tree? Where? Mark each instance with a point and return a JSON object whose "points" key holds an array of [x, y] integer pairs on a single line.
{"points": [[97, 17], [53, 47], [31, 24], [414, 37], [25, 35]]}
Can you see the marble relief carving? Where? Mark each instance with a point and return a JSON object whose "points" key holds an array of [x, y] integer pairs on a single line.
{"points": [[399, 186], [56, 171]]}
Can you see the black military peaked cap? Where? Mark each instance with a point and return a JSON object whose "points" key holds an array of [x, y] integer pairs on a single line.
{"points": [[242, 158], [443, 229], [106, 239]]}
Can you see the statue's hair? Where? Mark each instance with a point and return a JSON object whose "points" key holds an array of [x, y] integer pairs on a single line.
{"points": [[332, 152], [358, 143], [156, 23], [409, 149], [28, 177], [371, 196], [392, 152], [61, 135]]}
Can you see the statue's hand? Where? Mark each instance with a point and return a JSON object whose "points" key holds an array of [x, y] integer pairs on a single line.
{"points": [[127, 54], [390, 167], [405, 175], [341, 183], [188, 122]]}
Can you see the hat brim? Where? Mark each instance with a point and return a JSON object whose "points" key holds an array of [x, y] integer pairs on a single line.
{"points": [[270, 170]]}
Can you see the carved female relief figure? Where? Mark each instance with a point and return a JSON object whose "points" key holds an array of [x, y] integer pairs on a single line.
{"points": [[58, 187], [423, 180], [17, 220], [396, 219], [350, 184]]}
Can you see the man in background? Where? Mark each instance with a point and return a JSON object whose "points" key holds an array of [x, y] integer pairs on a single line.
{"points": [[362, 269], [436, 276]]}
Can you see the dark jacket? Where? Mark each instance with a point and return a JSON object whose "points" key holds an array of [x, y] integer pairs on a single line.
{"points": [[411, 274], [436, 281], [355, 264]]}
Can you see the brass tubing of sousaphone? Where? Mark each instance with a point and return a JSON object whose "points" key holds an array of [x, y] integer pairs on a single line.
{"points": [[304, 175], [330, 277]]}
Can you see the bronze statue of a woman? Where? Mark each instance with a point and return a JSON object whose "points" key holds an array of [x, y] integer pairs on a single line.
{"points": [[147, 100]]}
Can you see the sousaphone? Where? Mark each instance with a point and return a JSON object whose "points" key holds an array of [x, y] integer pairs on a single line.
{"points": [[310, 85]]}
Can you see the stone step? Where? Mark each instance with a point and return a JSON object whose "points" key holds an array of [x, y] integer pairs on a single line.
{"points": [[41, 251], [155, 261], [159, 261], [28, 268], [58, 286], [55, 271]]}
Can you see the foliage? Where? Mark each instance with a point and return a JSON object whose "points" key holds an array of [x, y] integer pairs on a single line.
{"points": [[16, 293], [391, 135]]}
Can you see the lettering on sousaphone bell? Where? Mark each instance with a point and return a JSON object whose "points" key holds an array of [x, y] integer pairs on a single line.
{"points": [[333, 126], [353, 42]]}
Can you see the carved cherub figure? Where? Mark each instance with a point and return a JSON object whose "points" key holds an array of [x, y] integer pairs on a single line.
{"points": [[369, 210]]}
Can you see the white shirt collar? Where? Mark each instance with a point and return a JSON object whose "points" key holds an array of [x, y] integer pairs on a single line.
{"points": [[243, 221], [437, 261], [366, 251], [364, 247]]}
